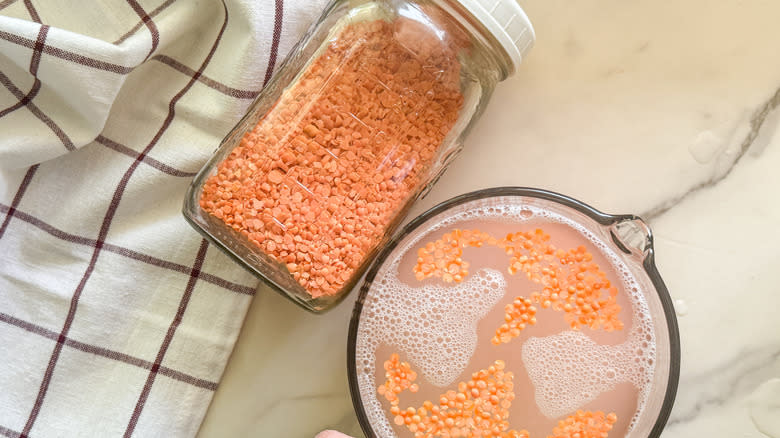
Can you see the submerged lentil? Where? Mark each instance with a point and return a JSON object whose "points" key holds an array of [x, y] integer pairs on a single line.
{"points": [[479, 407], [571, 282]]}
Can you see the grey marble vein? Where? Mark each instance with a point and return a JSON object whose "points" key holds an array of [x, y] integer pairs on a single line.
{"points": [[745, 373], [756, 123]]}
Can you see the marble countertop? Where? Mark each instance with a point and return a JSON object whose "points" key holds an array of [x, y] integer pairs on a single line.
{"points": [[663, 109]]}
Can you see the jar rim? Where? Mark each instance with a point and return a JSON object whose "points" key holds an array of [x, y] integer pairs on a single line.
{"points": [[508, 23]]}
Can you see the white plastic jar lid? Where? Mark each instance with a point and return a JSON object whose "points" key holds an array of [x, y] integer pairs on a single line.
{"points": [[507, 22]]}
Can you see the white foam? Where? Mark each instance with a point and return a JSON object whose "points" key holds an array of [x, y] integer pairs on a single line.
{"points": [[436, 326], [569, 370], [394, 313]]}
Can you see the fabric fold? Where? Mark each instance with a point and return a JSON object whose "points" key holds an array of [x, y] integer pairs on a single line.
{"points": [[116, 318]]}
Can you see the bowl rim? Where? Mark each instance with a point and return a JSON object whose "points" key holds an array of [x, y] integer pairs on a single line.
{"points": [[598, 216]]}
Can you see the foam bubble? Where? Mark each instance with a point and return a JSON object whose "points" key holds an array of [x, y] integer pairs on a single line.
{"points": [[567, 369], [449, 316]]}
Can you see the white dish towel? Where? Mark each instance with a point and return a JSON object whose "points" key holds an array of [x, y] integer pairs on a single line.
{"points": [[116, 318]]}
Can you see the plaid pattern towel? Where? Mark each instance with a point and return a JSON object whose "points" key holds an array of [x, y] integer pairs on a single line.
{"points": [[117, 319]]}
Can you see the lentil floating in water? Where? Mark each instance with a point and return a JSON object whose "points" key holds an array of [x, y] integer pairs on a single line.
{"points": [[479, 408], [319, 179], [571, 281], [438, 297]]}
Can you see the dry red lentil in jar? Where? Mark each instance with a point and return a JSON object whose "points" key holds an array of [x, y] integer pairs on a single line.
{"points": [[376, 109], [318, 180]]}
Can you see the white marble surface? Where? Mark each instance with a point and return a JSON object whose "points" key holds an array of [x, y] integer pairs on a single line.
{"points": [[664, 109]]}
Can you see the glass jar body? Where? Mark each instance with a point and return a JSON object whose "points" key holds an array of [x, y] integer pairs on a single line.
{"points": [[361, 118]]}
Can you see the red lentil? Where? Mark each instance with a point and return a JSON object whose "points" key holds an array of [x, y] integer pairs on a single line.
{"points": [[479, 408], [571, 282], [585, 424], [340, 154]]}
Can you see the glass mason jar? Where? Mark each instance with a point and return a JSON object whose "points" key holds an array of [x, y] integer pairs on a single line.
{"points": [[361, 118]]}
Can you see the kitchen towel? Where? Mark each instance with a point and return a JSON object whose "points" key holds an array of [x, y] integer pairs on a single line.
{"points": [[116, 318]]}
